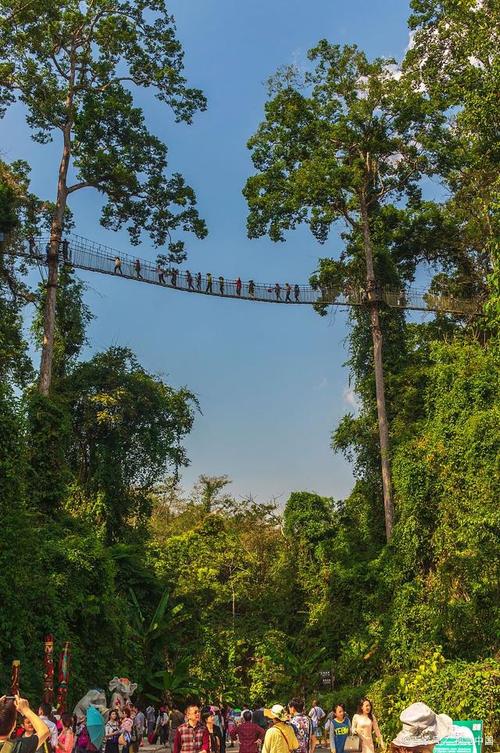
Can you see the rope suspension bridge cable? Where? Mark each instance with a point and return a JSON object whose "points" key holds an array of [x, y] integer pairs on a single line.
{"points": [[82, 253]]}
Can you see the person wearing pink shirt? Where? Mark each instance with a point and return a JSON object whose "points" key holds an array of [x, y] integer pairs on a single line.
{"points": [[66, 739]]}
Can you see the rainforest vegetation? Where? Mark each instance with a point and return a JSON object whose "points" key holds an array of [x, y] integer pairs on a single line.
{"points": [[203, 594]]}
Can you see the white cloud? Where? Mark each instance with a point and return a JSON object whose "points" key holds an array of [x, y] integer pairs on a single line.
{"points": [[393, 71], [322, 384], [411, 40], [362, 87], [349, 397]]}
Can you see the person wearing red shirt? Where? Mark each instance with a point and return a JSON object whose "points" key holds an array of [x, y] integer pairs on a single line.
{"points": [[249, 734], [192, 736]]}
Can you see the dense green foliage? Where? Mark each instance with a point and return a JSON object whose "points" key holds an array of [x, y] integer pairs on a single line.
{"points": [[76, 474], [211, 596]]}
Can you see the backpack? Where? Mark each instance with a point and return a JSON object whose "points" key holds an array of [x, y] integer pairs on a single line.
{"points": [[302, 726]]}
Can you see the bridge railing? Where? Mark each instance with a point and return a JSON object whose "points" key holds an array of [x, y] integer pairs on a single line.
{"points": [[85, 254]]}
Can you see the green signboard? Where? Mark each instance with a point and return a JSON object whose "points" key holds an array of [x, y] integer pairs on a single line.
{"points": [[467, 737]]}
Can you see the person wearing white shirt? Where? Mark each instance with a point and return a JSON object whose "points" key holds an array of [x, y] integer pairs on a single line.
{"points": [[316, 714], [45, 712]]}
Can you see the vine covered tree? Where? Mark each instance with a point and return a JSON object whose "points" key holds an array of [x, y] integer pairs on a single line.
{"points": [[75, 67], [336, 147]]}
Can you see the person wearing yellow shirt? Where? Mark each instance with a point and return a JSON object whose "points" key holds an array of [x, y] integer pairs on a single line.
{"points": [[280, 737]]}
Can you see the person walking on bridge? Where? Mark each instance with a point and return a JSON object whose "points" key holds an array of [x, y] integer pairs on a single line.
{"points": [[198, 282], [296, 292], [221, 284], [118, 266], [189, 278], [208, 289], [277, 291], [238, 286], [161, 274], [173, 276], [137, 267], [66, 250], [288, 289], [251, 289]]}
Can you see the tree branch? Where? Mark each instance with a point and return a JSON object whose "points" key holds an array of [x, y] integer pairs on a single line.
{"points": [[117, 81], [77, 186], [18, 11], [59, 69]]}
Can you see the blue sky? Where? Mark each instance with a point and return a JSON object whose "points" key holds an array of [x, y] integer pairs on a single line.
{"points": [[270, 379]]}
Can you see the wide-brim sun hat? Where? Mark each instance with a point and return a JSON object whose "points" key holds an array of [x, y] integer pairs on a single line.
{"points": [[277, 712], [422, 726]]}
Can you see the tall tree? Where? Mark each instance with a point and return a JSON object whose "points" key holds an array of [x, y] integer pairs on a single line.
{"points": [[453, 56], [352, 140], [75, 67]]}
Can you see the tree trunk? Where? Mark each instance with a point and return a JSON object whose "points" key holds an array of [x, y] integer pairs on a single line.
{"points": [[49, 320], [383, 424]]}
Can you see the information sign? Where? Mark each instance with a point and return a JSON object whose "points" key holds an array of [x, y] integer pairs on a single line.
{"points": [[467, 737], [326, 677]]}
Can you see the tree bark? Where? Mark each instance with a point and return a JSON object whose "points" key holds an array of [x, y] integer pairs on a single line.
{"points": [[383, 424], [49, 319]]}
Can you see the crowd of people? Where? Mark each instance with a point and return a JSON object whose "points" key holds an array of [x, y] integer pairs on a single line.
{"points": [[199, 284], [49, 732], [213, 729], [289, 729]]}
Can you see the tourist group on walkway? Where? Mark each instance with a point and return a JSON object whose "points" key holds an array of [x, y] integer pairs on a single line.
{"points": [[198, 284], [289, 729], [213, 729]]}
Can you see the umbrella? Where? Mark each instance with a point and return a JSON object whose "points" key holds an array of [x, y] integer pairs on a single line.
{"points": [[95, 726]]}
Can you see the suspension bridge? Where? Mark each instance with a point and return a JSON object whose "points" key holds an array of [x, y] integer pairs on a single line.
{"points": [[81, 253]]}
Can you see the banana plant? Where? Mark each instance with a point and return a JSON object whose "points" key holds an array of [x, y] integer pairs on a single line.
{"points": [[299, 667], [177, 683], [155, 635]]}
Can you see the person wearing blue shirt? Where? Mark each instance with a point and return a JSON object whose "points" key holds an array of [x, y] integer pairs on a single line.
{"points": [[339, 728]]}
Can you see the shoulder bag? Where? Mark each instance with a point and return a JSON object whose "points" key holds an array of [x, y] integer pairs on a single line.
{"points": [[352, 744]]}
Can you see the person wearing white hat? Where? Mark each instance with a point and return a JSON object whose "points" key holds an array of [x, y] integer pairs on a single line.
{"points": [[281, 737], [422, 729]]}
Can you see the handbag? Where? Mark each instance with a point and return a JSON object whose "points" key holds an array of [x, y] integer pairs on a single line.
{"points": [[352, 744]]}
